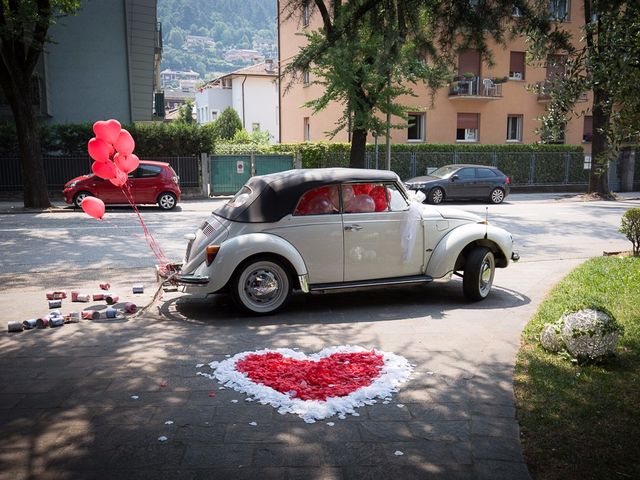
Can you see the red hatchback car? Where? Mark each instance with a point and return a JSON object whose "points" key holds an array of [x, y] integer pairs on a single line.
{"points": [[151, 182]]}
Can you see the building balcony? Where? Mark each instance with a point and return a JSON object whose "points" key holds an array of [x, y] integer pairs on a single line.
{"points": [[475, 89]]}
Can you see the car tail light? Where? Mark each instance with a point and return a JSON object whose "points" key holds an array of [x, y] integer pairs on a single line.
{"points": [[507, 181], [211, 252], [175, 179]]}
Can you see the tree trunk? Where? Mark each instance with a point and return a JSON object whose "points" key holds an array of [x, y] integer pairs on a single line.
{"points": [[599, 178], [358, 148]]}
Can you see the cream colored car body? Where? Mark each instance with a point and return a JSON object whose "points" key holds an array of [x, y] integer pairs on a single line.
{"points": [[421, 243]]}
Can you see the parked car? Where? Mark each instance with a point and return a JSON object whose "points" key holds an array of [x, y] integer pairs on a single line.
{"points": [[329, 229], [458, 182], [151, 182]]}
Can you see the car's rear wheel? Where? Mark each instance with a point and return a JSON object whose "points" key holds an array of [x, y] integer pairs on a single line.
{"points": [[436, 196], [496, 196], [167, 200], [479, 270], [80, 196], [260, 286]]}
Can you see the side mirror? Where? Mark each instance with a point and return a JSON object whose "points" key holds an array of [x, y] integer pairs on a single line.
{"points": [[454, 178]]}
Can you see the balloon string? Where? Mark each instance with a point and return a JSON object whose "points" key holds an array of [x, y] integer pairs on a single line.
{"points": [[151, 241]]}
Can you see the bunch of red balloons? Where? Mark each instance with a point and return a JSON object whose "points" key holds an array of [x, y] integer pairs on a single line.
{"points": [[112, 150]]}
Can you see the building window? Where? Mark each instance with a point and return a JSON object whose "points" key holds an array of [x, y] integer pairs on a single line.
{"points": [[306, 77], [516, 65], [255, 127], [415, 132], [514, 128], [307, 129], [587, 131], [306, 14], [468, 127], [559, 10]]}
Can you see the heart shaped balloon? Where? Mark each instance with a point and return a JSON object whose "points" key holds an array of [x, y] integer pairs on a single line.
{"points": [[120, 179], [107, 130], [125, 143], [99, 150], [104, 170], [126, 163]]}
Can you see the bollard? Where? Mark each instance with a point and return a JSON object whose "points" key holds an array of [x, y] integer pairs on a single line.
{"points": [[104, 286], [55, 303], [14, 326], [29, 324], [111, 299], [111, 313], [138, 288], [130, 307], [98, 296]]}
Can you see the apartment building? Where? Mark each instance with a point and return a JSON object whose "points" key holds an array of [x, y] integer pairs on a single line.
{"points": [[486, 105]]}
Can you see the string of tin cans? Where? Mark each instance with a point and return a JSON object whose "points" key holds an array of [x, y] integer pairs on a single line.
{"points": [[55, 318]]}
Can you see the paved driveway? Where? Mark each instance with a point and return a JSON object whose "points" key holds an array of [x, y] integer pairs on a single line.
{"points": [[67, 395]]}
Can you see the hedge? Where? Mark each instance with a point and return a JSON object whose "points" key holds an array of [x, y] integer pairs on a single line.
{"points": [[152, 140]]}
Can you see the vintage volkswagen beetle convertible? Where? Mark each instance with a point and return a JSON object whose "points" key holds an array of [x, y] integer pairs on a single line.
{"points": [[335, 228]]}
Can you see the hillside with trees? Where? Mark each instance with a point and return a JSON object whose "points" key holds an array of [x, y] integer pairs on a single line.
{"points": [[202, 35]]}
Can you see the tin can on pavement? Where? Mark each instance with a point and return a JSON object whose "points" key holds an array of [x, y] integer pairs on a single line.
{"points": [[98, 296], [56, 322], [14, 326], [111, 313], [74, 296], [111, 299], [138, 288], [42, 322], [130, 307], [29, 324], [83, 297], [104, 286], [55, 303]]}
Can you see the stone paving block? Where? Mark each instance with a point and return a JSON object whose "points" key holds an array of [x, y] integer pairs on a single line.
{"points": [[494, 426], [384, 431], [182, 416], [456, 430], [426, 452], [133, 415], [429, 472], [245, 412], [320, 473], [10, 400], [438, 412], [305, 455], [236, 455], [156, 455], [30, 386], [500, 470], [341, 431], [271, 455], [389, 412], [207, 434], [47, 400], [262, 432], [496, 448], [354, 453], [488, 410]]}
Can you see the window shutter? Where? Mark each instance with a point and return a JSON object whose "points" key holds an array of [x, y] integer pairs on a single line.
{"points": [[468, 120], [516, 63], [469, 61]]}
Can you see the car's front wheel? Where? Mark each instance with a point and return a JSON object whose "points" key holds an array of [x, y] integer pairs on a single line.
{"points": [[479, 270], [80, 196], [436, 196], [167, 201], [496, 196], [260, 286]]}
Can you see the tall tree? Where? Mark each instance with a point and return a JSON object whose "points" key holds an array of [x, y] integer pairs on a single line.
{"points": [[23, 33], [369, 52], [606, 62]]}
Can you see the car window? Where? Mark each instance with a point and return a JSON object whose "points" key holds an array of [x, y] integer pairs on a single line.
{"points": [[397, 201], [485, 173], [319, 201], [365, 197], [466, 173], [144, 171], [241, 197]]}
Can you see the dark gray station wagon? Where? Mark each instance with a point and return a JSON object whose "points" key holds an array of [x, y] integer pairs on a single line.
{"points": [[462, 182]]}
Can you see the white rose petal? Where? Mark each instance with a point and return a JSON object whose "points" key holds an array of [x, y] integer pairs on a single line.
{"points": [[253, 424], [163, 438], [398, 453]]}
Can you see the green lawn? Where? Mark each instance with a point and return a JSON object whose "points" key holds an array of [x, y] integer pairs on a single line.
{"points": [[583, 422]]}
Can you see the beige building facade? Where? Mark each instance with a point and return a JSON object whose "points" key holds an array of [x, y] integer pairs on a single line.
{"points": [[483, 105]]}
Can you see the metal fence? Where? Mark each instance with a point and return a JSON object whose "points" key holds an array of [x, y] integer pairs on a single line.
{"points": [[523, 168], [61, 169]]}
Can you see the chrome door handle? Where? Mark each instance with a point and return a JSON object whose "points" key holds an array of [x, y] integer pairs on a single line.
{"points": [[351, 228]]}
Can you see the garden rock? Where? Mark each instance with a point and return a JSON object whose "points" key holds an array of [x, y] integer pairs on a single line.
{"points": [[589, 333], [550, 339]]}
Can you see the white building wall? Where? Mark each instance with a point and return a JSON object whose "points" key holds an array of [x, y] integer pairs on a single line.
{"points": [[260, 103], [211, 102]]}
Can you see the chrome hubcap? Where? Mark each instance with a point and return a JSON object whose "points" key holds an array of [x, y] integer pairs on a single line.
{"points": [[437, 196], [167, 201], [486, 275], [261, 286]]}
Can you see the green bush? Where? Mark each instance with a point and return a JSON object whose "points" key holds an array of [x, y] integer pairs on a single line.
{"points": [[630, 226]]}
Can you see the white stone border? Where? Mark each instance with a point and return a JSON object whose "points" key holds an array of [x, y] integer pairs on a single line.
{"points": [[395, 371]]}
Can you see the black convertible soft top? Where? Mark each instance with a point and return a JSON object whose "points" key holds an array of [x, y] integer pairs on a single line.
{"points": [[275, 195]]}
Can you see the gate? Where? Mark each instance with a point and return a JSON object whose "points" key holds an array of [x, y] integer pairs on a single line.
{"points": [[230, 172]]}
